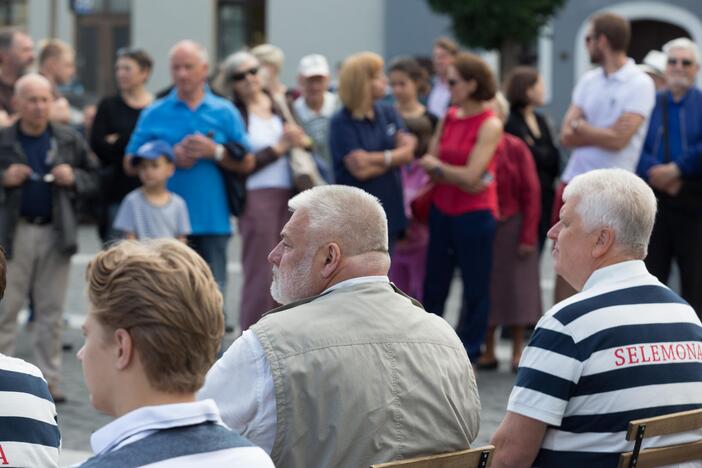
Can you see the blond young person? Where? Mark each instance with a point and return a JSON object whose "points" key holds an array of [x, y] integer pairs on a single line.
{"points": [[153, 330]]}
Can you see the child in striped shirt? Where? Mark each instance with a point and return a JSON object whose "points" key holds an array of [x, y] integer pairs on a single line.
{"points": [[152, 211]]}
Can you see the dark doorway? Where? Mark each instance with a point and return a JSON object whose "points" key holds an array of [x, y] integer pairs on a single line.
{"points": [[647, 35], [100, 31]]}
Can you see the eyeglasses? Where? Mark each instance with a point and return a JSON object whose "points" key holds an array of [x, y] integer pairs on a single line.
{"points": [[452, 83], [241, 75], [684, 62]]}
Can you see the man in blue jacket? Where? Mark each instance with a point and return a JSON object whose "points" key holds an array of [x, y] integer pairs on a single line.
{"points": [[671, 162]]}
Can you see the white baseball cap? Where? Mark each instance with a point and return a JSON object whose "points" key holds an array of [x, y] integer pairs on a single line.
{"points": [[313, 65]]}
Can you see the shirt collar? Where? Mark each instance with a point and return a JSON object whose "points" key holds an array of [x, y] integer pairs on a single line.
{"points": [[354, 281], [206, 99], [623, 271], [152, 418], [624, 72]]}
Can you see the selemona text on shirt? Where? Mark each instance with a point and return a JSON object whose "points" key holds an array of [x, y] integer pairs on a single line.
{"points": [[681, 351]]}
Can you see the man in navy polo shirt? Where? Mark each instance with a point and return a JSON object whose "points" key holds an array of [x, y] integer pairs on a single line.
{"points": [[197, 124]]}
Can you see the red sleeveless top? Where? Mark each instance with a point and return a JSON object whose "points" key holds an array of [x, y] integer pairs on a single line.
{"points": [[457, 140]]}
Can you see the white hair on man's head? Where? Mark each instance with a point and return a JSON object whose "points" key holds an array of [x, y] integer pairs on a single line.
{"points": [[199, 49], [683, 43], [346, 215], [617, 199]]}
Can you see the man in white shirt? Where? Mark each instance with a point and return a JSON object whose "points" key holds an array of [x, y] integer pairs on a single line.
{"points": [[153, 330], [625, 347], [608, 117], [350, 371]]}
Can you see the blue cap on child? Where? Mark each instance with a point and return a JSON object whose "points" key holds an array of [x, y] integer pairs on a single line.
{"points": [[153, 150]]}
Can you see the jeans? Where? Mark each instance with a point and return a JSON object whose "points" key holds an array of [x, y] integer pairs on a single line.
{"points": [[464, 240], [213, 249]]}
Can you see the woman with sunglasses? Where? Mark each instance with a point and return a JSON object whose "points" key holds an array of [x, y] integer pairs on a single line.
{"points": [[368, 139], [268, 187], [464, 204], [113, 126]]}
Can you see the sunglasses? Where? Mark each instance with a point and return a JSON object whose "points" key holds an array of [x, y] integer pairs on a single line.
{"points": [[452, 83], [241, 75], [684, 62]]}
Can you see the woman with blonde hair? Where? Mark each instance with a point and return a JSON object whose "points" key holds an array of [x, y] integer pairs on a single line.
{"points": [[368, 138]]}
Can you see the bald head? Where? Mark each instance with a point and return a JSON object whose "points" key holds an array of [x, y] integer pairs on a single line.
{"points": [[33, 101], [30, 82], [189, 69], [188, 47]]}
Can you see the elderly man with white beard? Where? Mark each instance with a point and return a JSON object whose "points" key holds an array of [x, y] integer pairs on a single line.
{"points": [[349, 371]]}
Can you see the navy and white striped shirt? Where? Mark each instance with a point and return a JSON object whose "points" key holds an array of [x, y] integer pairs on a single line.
{"points": [[624, 348], [29, 435]]}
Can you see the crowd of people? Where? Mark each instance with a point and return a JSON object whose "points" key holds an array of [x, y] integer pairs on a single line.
{"points": [[354, 201]]}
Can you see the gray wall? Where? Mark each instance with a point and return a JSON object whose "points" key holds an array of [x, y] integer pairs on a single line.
{"points": [[333, 28], [411, 28]]}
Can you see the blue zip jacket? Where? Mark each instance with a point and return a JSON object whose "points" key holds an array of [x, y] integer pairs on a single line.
{"points": [[685, 125]]}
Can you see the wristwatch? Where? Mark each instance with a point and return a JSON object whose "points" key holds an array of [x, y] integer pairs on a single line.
{"points": [[437, 171], [219, 153]]}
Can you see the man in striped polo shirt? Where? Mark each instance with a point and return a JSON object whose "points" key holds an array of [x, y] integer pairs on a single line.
{"points": [[625, 347], [29, 435]]}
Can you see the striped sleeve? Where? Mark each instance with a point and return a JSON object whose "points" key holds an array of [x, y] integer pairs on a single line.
{"points": [[29, 434], [548, 373]]}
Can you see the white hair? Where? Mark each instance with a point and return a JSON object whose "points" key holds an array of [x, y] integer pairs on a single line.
{"points": [[237, 59], [347, 215], [199, 49], [617, 199], [683, 43]]}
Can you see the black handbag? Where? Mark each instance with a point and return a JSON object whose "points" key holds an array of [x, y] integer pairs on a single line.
{"points": [[234, 184]]}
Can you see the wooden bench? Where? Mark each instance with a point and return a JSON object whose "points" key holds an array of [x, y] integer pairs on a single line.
{"points": [[472, 458], [662, 425]]}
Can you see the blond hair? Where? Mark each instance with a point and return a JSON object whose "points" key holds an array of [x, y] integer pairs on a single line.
{"points": [[355, 77], [165, 296], [53, 48]]}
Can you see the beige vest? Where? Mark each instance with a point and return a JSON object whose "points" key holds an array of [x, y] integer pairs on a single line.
{"points": [[364, 375]]}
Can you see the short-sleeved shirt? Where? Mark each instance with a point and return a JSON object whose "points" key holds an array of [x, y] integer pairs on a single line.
{"points": [[138, 216], [604, 98], [378, 134], [36, 194], [202, 185], [624, 348], [29, 435]]}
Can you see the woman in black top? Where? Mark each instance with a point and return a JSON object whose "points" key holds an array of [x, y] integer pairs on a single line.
{"points": [[114, 122], [525, 91]]}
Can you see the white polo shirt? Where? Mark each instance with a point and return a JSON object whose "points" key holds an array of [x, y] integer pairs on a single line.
{"points": [[603, 99]]}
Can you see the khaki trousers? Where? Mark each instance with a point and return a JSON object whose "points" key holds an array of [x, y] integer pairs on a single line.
{"points": [[36, 268]]}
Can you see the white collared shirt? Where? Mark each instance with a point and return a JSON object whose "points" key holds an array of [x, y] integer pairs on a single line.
{"points": [[144, 421], [439, 98], [241, 382], [604, 98]]}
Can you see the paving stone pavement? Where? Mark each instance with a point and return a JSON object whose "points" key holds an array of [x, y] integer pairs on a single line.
{"points": [[77, 419]]}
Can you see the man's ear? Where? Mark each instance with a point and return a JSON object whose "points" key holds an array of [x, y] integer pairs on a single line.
{"points": [[124, 348], [603, 244], [331, 259]]}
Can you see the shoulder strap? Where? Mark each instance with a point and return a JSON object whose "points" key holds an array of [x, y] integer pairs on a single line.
{"points": [[664, 116]]}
